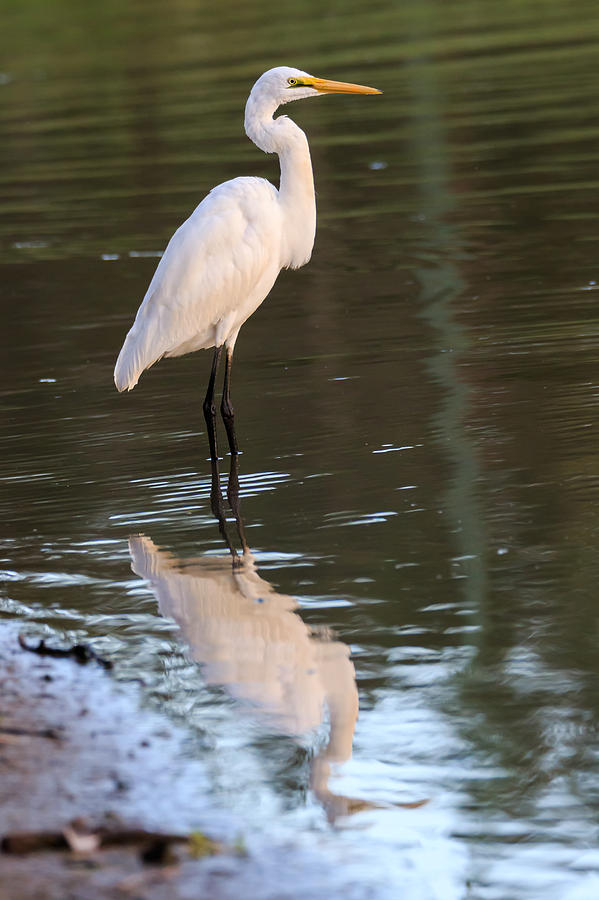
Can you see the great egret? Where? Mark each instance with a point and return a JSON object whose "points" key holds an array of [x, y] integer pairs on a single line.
{"points": [[222, 262]]}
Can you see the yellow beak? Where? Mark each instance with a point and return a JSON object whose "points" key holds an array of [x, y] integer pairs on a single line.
{"points": [[338, 87]]}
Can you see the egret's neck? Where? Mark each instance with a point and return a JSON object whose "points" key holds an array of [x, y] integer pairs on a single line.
{"points": [[296, 190]]}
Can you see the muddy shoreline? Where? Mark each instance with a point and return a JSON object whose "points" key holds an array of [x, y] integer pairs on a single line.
{"points": [[77, 745]]}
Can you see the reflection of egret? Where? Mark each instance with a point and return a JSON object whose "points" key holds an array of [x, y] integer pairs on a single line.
{"points": [[222, 262], [250, 640]]}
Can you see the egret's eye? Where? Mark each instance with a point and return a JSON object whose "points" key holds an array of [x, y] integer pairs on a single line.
{"points": [[292, 82]]}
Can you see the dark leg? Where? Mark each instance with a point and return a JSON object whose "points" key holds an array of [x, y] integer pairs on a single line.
{"points": [[226, 409], [218, 510], [233, 498], [209, 407]]}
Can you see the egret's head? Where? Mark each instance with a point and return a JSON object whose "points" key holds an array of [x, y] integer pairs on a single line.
{"points": [[284, 84], [279, 86]]}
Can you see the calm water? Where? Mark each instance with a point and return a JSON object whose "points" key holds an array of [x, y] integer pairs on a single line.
{"points": [[418, 410]]}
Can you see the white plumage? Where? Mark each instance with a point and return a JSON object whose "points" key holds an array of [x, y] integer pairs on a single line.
{"points": [[217, 269], [222, 262]]}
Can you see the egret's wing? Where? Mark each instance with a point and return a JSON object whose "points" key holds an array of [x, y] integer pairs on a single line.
{"points": [[217, 268]]}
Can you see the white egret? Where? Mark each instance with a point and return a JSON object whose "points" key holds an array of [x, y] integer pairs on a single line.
{"points": [[222, 262]]}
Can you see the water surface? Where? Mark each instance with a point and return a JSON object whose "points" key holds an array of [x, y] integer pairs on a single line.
{"points": [[417, 409]]}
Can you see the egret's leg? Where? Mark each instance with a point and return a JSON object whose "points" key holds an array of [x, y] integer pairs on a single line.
{"points": [[233, 498], [218, 509], [226, 408], [209, 407]]}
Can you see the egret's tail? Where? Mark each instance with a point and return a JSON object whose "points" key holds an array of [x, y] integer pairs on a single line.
{"points": [[137, 354], [126, 372]]}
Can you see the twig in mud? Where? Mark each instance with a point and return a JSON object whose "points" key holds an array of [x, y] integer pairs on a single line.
{"points": [[33, 841], [49, 733], [81, 653]]}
